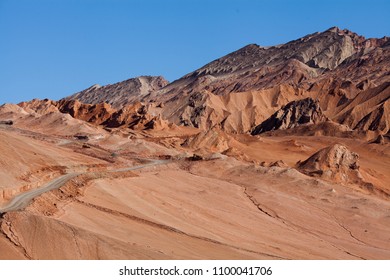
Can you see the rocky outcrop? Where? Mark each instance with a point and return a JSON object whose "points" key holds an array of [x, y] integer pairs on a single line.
{"points": [[134, 116], [335, 163], [214, 140], [6, 122], [97, 114], [380, 139], [56, 113], [295, 113], [39, 106]]}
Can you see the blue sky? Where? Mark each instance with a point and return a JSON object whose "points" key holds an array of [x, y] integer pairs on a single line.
{"points": [[53, 48]]}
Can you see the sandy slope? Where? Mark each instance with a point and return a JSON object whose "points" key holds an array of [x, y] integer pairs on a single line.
{"points": [[208, 210], [234, 207]]}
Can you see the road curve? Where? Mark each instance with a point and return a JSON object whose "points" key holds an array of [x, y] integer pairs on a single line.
{"points": [[22, 200]]}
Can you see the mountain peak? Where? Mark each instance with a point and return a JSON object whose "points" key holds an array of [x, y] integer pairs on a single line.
{"points": [[121, 93], [334, 29]]}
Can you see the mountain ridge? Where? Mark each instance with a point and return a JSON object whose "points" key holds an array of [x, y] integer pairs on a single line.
{"points": [[238, 91]]}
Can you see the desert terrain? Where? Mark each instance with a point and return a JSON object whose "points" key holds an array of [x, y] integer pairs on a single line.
{"points": [[266, 153]]}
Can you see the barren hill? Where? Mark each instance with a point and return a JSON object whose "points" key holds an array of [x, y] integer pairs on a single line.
{"points": [[121, 93], [337, 67], [347, 73], [298, 62]]}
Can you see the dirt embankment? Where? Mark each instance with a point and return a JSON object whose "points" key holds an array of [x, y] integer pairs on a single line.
{"points": [[17, 226]]}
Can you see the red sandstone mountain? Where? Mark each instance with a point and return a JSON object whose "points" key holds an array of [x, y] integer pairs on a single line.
{"points": [[347, 73]]}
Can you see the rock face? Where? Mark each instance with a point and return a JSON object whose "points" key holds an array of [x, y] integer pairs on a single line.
{"points": [[96, 114], [335, 163], [38, 106], [6, 122], [379, 140], [378, 119], [295, 113], [370, 110], [78, 116], [122, 93], [134, 116], [214, 140]]}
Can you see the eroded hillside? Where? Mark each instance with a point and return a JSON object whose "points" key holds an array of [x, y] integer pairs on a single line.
{"points": [[266, 153]]}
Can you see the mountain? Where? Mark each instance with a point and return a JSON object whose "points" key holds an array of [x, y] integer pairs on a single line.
{"points": [[240, 90], [299, 62], [347, 73], [121, 93]]}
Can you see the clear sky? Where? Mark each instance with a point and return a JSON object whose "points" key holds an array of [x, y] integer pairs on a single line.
{"points": [[53, 48]]}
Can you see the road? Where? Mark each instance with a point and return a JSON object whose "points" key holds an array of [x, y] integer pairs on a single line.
{"points": [[22, 200]]}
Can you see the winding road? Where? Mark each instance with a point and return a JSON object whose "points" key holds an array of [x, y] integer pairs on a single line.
{"points": [[22, 200]]}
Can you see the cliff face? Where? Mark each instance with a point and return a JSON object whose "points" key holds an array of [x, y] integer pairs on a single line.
{"points": [[295, 113]]}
